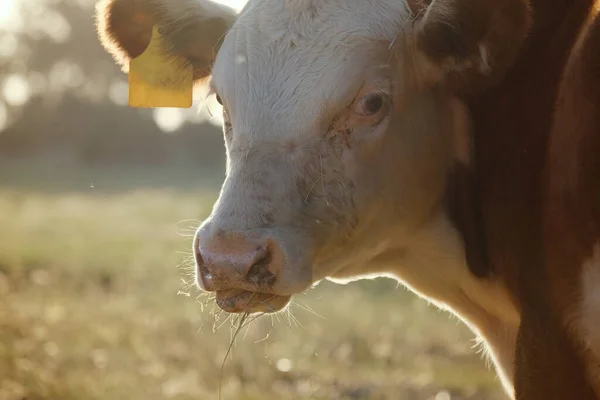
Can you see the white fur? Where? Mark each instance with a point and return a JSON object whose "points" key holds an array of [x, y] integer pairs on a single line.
{"points": [[434, 267], [332, 40], [437, 270]]}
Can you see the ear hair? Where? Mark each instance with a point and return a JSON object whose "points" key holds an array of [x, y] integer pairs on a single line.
{"points": [[124, 28], [192, 29]]}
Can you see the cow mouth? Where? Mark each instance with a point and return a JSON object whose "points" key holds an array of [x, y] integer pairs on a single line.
{"points": [[240, 301]]}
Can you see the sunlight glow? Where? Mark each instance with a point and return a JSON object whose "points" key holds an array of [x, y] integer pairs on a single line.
{"points": [[10, 17], [443, 396], [236, 4], [284, 365], [118, 92], [16, 90], [65, 74], [169, 119], [54, 25]]}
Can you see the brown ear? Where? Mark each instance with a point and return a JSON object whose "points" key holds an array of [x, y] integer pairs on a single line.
{"points": [[192, 29], [470, 41]]}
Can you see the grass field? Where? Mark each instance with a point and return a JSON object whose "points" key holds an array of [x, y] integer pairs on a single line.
{"points": [[94, 305]]}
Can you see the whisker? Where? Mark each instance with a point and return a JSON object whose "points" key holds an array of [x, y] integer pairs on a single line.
{"points": [[229, 318], [306, 307], [186, 235], [294, 318], [189, 220]]}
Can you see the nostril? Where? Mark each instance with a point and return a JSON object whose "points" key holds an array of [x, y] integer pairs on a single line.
{"points": [[203, 276], [260, 274]]}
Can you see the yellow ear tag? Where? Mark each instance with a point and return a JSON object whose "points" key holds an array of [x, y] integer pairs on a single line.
{"points": [[159, 79]]}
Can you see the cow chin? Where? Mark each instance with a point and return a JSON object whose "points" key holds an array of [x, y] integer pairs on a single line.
{"points": [[245, 301], [241, 297]]}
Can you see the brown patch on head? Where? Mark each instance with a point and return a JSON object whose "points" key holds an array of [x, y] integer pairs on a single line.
{"points": [[191, 30], [471, 42], [125, 27]]}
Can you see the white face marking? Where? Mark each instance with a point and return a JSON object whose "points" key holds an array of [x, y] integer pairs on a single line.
{"points": [[286, 67]]}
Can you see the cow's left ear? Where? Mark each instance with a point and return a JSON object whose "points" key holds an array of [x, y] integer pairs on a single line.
{"points": [[467, 41], [191, 29]]}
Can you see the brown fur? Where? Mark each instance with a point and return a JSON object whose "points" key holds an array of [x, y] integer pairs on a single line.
{"points": [[472, 42], [125, 28], [540, 261], [572, 193]]}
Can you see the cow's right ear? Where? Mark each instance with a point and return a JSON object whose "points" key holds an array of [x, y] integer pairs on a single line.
{"points": [[464, 42], [192, 29]]}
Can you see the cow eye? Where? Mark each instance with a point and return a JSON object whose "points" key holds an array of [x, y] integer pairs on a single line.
{"points": [[219, 100], [370, 104]]}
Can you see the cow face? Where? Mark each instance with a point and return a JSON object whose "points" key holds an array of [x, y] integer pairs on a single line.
{"points": [[340, 130]]}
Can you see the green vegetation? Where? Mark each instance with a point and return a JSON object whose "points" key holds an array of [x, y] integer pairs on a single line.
{"points": [[95, 303]]}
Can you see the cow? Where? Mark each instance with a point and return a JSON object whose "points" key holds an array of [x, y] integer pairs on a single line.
{"points": [[452, 145]]}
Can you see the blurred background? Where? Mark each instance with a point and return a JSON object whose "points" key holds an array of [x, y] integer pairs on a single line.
{"points": [[98, 203]]}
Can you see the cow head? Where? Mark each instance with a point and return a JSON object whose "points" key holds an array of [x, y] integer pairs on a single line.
{"points": [[342, 123]]}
